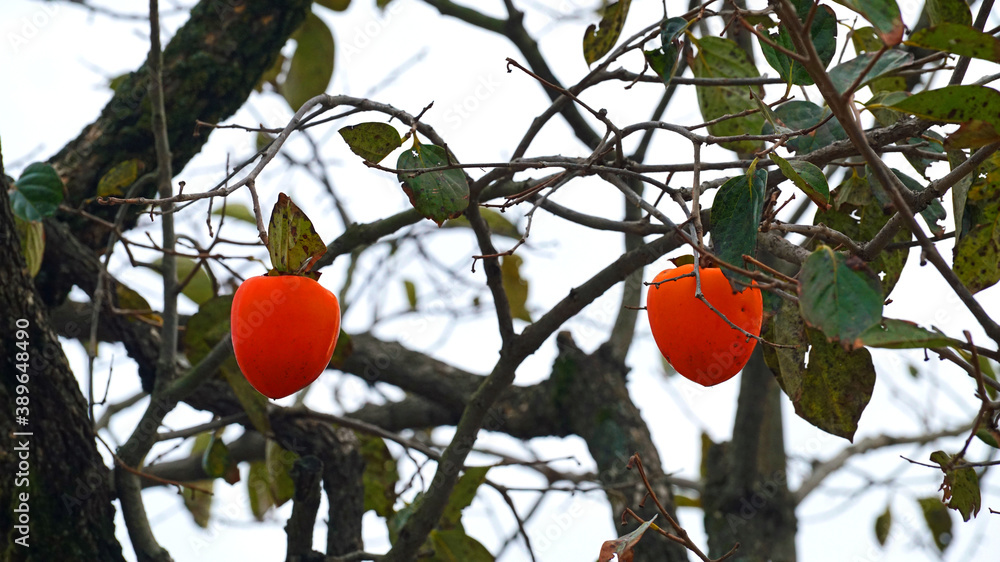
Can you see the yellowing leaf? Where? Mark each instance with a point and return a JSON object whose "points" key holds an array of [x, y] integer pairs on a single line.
{"points": [[199, 286], [960, 486], [312, 63], [292, 241], [238, 212], [279, 463], [938, 521], [380, 475], [32, 236], [119, 177], [515, 286], [722, 58], [371, 141], [598, 42]]}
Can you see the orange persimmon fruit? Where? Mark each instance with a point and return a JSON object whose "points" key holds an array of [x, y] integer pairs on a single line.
{"points": [[699, 344], [284, 329]]}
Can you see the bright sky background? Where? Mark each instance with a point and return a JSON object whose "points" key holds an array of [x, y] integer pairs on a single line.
{"points": [[58, 59]]}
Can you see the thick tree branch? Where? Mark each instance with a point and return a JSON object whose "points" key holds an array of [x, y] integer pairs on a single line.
{"points": [[48, 429], [209, 70]]}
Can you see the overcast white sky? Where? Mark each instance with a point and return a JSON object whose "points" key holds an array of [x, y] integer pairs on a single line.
{"points": [[57, 59]]}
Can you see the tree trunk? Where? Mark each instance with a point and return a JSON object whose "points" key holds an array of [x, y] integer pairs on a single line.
{"points": [[746, 497], [54, 499], [590, 391]]}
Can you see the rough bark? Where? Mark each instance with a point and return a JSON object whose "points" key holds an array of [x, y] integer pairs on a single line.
{"points": [[210, 67], [746, 497], [70, 510], [593, 400], [343, 468]]}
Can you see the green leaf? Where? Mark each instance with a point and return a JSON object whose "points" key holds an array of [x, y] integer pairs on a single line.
{"points": [[833, 391], [989, 436], [32, 237], [598, 42], [207, 327], [292, 241], [438, 195], [380, 475], [960, 486], [768, 114], [198, 504], [279, 463], [879, 103], [807, 177], [901, 334], [37, 193], [948, 11], [253, 402], [853, 191], [938, 521], [665, 59], [259, 490], [722, 58], [215, 460], [883, 14], [398, 519], [963, 40], [935, 144], [934, 211], [824, 37], [133, 301], [498, 224], [262, 140], [977, 253], [119, 177], [312, 64], [462, 496], [455, 546], [199, 288], [238, 212], [843, 75], [799, 114], [883, 524], [736, 213], [839, 296], [836, 386], [858, 215], [787, 363], [954, 104], [866, 40], [371, 141], [411, 293], [621, 548]]}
